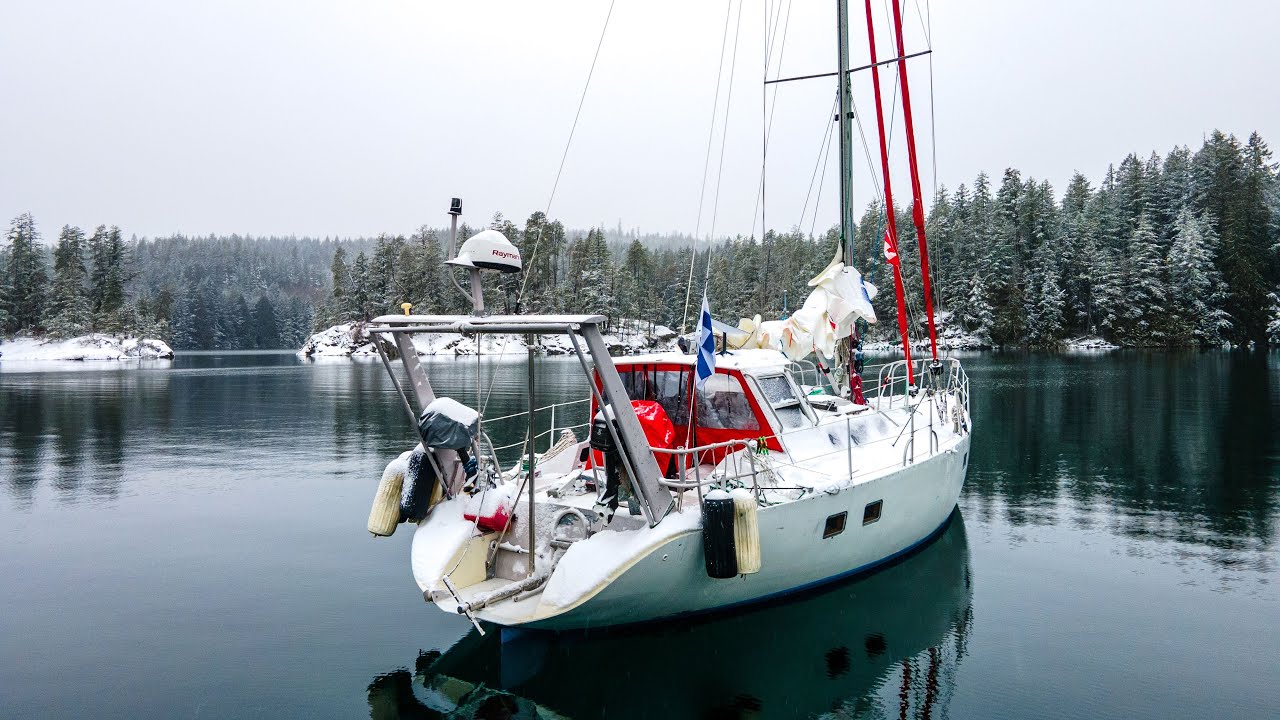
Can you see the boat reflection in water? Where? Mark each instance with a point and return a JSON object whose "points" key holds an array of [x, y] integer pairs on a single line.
{"points": [[886, 645]]}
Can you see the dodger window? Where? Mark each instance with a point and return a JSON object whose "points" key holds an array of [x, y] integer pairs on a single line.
{"points": [[784, 399], [723, 405]]}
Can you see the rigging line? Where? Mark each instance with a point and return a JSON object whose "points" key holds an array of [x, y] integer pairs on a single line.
{"points": [[706, 164], [821, 182], [866, 150], [715, 106], [925, 26], [822, 152], [565, 155], [772, 37], [933, 127], [524, 282], [893, 102], [850, 71], [728, 105], [917, 210], [773, 105], [764, 130]]}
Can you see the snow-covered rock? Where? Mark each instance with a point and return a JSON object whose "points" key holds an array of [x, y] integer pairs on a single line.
{"points": [[951, 336], [345, 340], [86, 347], [1089, 343], [352, 340]]}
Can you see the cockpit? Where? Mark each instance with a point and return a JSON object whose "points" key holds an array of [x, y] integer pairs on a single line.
{"points": [[735, 403]]}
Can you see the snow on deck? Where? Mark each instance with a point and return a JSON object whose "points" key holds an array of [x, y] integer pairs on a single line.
{"points": [[86, 347], [595, 562]]}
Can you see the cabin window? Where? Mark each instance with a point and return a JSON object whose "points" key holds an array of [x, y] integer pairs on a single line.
{"points": [[723, 404], [871, 512], [669, 388], [834, 526]]}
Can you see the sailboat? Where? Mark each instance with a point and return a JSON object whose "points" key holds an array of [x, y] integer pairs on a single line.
{"points": [[707, 481], [904, 627]]}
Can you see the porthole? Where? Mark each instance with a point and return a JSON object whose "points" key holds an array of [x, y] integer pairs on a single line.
{"points": [[834, 526], [871, 512]]}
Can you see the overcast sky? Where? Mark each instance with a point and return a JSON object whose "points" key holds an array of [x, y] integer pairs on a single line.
{"points": [[354, 118]]}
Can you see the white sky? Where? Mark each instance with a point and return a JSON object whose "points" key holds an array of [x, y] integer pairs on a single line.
{"points": [[352, 118]]}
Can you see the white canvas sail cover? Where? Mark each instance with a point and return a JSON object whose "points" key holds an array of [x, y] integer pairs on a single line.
{"points": [[840, 296]]}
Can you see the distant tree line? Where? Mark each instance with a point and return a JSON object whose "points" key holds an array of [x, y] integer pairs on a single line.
{"points": [[1172, 251], [1180, 250], [214, 293]]}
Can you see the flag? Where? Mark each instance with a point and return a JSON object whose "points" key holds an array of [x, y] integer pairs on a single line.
{"points": [[706, 364], [890, 248]]}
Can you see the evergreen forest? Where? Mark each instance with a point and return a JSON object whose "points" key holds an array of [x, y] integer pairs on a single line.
{"points": [[1179, 250]]}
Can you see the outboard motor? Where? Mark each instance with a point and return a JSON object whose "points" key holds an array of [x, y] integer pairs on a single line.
{"points": [[445, 424], [601, 439]]}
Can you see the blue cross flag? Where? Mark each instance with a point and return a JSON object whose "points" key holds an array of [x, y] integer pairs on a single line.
{"points": [[706, 365]]}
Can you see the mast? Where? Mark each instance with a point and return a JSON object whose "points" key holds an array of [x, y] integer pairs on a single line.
{"points": [[846, 136], [891, 224], [917, 208]]}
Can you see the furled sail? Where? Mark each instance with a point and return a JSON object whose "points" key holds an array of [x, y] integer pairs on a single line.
{"points": [[839, 298]]}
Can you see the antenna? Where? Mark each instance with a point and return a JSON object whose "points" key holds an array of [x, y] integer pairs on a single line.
{"points": [[455, 209]]}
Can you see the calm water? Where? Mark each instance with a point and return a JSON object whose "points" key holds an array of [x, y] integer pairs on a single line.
{"points": [[187, 540]]}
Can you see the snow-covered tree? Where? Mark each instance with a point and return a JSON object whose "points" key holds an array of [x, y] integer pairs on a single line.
{"points": [[1195, 312], [106, 278], [25, 276], [975, 312], [1273, 327], [1046, 301], [1145, 302], [69, 310]]}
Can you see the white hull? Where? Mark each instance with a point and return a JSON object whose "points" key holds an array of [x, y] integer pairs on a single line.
{"points": [[671, 580], [836, 496], [786, 658]]}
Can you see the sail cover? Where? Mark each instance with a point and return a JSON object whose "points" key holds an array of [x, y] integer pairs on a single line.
{"points": [[839, 298]]}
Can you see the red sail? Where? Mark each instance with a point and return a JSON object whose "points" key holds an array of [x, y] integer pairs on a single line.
{"points": [[891, 225], [918, 206]]}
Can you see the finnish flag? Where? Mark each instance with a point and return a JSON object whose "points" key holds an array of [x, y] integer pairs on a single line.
{"points": [[706, 366]]}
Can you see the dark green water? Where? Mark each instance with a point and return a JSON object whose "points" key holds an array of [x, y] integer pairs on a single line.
{"points": [[188, 540]]}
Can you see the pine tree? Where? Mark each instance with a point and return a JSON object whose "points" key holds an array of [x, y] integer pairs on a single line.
{"points": [[70, 314], [25, 276], [975, 313], [336, 307], [1143, 311], [381, 280], [1195, 313], [1273, 327], [592, 273], [1108, 294], [1046, 301], [266, 329], [359, 300], [106, 278]]}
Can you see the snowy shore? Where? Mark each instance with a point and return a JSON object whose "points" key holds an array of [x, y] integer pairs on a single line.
{"points": [[86, 347], [352, 340]]}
